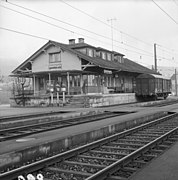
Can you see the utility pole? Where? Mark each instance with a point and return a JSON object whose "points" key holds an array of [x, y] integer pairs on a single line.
{"points": [[111, 20], [176, 81], [155, 57]]}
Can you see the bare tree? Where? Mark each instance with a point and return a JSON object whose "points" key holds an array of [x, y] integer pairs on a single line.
{"points": [[20, 94]]}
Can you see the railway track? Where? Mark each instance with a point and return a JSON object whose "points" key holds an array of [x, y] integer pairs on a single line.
{"points": [[164, 103], [114, 157], [22, 131], [27, 116]]}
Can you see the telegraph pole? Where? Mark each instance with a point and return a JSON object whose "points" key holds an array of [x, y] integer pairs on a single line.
{"points": [[176, 81], [111, 20], [155, 57]]}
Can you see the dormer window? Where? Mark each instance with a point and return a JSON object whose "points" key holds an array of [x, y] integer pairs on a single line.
{"points": [[103, 55], [118, 59], [108, 56], [90, 52], [97, 54], [82, 50]]}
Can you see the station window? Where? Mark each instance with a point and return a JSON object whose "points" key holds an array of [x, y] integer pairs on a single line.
{"points": [[54, 57], [97, 54], [103, 55], [82, 50], [118, 59], [108, 56], [90, 52]]}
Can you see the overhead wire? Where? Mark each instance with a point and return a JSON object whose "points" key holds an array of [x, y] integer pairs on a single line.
{"points": [[72, 31], [68, 29], [56, 19], [167, 49], [81, 27], [165, 12], [75, 25], [104, 23], [108, 25], [19, 32], [44, 38]]}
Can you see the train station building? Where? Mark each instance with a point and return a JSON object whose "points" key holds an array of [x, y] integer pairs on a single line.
{"points": [[75, 74]]}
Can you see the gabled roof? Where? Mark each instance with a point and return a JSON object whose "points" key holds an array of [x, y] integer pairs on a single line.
{"points": [[128, 65], [38, 52]]}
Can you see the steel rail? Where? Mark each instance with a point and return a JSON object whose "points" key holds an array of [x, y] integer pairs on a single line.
{"points": [[68, 154], [161, 104], [106, 172]]}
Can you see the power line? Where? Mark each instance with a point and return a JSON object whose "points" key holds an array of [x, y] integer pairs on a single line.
{"points": [[165, 12], [167, 49], [36, 18], [76, 33], [56, 19], [104, 23], [26, 34], [83, 28], [68, 24], [44, 38], [50, 23], [75, 25]]}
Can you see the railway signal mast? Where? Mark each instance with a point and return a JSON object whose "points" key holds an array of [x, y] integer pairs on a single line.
{"points": [[155, 57], [175, 82], [111, 20]]}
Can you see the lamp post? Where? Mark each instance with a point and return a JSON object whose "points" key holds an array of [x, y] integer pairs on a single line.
{"points": [[51, 94], [63, 89], [23, 95], [57, 90]]}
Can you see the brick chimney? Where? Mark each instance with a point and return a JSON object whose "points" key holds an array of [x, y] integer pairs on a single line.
{"points": [[71, 41], [80, 40]]}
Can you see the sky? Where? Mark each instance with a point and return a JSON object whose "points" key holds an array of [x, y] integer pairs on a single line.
{"points": [[130, 27]]}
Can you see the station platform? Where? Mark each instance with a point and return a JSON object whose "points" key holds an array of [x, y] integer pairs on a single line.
{"points": [[6, 110]]}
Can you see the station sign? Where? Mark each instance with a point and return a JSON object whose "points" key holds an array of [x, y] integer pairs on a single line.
{"points": [[55, 66], [107, 71]]}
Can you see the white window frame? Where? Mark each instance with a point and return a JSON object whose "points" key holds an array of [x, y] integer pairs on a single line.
{"points": [[54, 57], [109, 56], [90, 52], [103, 55]]}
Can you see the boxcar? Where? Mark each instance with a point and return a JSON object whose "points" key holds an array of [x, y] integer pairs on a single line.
{"points": [[152, 86]]}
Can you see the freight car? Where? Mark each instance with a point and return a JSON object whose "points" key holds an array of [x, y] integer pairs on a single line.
{"points": [[151, 86]]}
